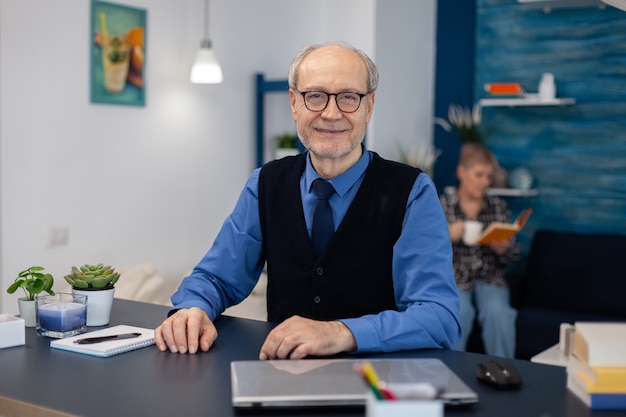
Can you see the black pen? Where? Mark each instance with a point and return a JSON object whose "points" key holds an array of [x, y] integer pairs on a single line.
{"points": [[92, 340]]}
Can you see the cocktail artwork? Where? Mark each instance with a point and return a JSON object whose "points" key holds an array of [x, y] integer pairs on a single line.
{"points": [[118, 54], [115, 59]]}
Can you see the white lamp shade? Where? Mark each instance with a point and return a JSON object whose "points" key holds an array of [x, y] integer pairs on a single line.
{"points": [[206, 69]]}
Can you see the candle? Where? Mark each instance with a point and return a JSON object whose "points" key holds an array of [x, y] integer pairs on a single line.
{"points": [[62, 316]]}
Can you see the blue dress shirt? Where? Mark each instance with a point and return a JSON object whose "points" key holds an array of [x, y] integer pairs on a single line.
{"points": [[423, 277]]}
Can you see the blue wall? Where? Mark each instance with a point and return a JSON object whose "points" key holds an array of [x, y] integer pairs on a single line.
{"points": [[454, 79], [577, 154]]}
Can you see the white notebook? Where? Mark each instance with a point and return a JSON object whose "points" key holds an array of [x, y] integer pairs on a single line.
{"points": [[106, 348]]}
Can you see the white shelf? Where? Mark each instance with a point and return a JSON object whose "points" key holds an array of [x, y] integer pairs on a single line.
{"points": [[512, 192], [504, 192], [525, 101], [551, 356]]}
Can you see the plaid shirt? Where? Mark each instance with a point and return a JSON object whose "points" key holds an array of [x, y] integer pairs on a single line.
{"points": [[472, 263]]}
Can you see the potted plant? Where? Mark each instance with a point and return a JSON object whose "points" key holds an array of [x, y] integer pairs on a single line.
{"points": [[97, 282], [286, 145], [468, 124], [422, 157], [33, 281]]}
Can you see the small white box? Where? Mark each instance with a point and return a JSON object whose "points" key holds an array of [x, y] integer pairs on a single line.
{"points": [[11, 331], [400, 408]]}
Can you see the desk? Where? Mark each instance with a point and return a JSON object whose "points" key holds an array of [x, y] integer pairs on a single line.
{"points": [[36, 380]]}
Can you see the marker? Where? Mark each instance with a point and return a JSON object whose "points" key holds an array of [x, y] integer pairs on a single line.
{"points": [[368, 373]]}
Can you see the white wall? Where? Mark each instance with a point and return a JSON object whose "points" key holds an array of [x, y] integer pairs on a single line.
{"points": [[136, 183], [405, 54]]}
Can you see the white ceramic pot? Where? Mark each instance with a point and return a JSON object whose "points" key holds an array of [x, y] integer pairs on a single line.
{"points": [[27, 311], [99, 303], [283, 152]]}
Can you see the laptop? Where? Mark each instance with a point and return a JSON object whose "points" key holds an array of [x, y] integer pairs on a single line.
{"points": [[333, 382]]}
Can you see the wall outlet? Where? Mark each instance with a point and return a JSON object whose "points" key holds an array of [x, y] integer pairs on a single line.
{"points": [[58, 236]]}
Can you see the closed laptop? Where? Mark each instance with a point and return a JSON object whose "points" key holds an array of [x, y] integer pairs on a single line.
{"points": [[333, 382]]}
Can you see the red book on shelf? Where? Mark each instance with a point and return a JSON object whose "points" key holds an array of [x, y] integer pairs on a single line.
{"points": [[504, 89]]}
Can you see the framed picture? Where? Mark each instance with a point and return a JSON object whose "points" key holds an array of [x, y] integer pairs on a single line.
{"points": [[118, 45]]}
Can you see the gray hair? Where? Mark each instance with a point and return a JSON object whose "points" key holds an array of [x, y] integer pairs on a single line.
{"points": [[372, 70]]}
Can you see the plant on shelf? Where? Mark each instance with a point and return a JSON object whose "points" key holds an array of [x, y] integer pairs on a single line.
{"points": [[287, 141], [286, 145], [33, 281], [95, 277]]}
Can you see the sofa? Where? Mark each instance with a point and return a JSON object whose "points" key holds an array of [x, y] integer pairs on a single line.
{"points": [[142, 282], [568, 277]]}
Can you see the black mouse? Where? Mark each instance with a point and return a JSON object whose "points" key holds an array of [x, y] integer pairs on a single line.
{"points": [[498, 374]]}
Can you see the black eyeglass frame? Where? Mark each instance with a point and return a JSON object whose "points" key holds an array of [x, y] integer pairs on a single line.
{"points": [[304, 93]]}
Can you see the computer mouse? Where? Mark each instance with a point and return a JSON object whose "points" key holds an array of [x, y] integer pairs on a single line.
{"points": [[498, 374]]}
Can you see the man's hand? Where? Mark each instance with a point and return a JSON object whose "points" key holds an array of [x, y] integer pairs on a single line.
{"points": [[185, 330], [298, 337]]}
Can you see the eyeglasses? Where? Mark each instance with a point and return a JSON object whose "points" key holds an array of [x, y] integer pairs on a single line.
{"points": [[318, 100]]}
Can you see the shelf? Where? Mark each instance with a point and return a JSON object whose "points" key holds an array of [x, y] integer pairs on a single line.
{"points": [[503, 192], [525, 101], [512, 192], [263, 87]]}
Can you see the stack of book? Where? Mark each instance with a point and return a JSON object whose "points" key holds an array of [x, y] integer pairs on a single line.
{"points": [[596, 371]]}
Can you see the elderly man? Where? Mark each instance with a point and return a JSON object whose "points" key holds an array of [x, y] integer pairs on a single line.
{"points": [[357, 247]]}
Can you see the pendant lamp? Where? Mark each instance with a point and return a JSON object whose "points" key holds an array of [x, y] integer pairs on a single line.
{"points": [[206, 69]]}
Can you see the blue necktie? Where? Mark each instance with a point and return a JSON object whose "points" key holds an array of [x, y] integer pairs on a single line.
{"points": [[323, 227]]}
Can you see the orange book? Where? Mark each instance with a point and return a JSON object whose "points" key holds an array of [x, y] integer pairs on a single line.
{"points": [[501, 232], [504, 89]]}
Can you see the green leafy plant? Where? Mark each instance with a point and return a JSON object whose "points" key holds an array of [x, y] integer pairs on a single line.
{"points": [[287, 141], [33, 281], [97, 277]]}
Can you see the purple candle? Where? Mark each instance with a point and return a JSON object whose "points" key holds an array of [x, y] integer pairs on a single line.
{"points": [[62, 316]]}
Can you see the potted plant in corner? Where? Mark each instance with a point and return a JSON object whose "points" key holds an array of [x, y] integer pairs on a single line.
{"points": [[97, 282], [286, 145], [33, 281]]}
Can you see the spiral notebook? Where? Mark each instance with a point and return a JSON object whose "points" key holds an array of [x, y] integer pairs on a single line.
{"points": [[106, 348]]}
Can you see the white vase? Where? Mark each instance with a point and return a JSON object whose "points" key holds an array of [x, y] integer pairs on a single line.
{"points": [[99, 303], [283, 152], [27, 311]]}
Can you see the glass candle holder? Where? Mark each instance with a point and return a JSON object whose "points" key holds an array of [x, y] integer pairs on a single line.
{"points": [[61, 315]]}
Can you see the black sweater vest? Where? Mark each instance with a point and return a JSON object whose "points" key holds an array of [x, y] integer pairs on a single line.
{"points": [[353, 276]]}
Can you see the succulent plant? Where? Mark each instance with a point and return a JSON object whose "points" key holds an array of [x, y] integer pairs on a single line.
{"points": [[97, 277]]}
